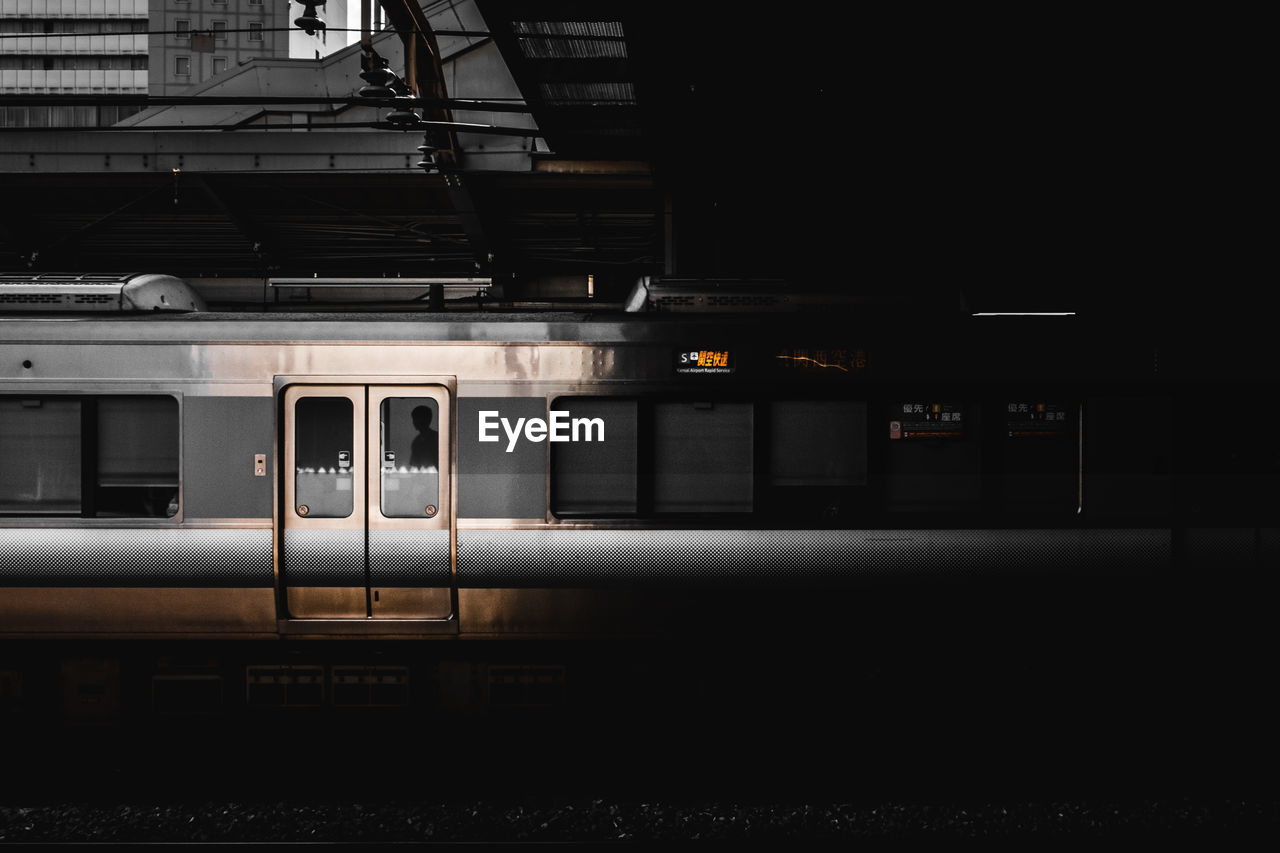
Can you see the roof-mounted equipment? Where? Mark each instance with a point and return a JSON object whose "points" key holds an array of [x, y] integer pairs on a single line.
{"points": [[129, 292]]}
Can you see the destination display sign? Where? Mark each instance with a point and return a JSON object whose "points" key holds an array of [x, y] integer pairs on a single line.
{"points": [[713, 361]]}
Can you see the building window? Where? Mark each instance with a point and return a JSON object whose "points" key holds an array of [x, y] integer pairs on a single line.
{"points": [[255, 2], [182, 66], [219, 64], [255, 31], [220, 30], [220, 2], [183, 28]]}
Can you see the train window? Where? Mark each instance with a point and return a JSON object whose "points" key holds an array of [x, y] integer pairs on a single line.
{"points": [[94, 457], [40, 459], [137, 457], [1128, 447], [323, 447], [1040, 456], [597, 477], [818, 443], [657, 457], [934, 457], [702, 457], [410, 456]]}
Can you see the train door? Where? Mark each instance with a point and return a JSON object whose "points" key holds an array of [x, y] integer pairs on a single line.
{"points": [[366, 520]]}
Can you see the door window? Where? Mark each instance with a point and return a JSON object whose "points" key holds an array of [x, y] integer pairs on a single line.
{"points": [[323, 441], [410, 457]]}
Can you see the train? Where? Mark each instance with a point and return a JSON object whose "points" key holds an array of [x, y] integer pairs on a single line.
{"points": [[304, 477]]}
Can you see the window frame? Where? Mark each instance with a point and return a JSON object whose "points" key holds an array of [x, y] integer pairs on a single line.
{"points": [[92, 391], [644, 499], [177, 66], [857, 504]]}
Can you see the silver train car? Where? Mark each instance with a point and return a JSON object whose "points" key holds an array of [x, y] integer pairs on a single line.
{"points": [[290, 475]]}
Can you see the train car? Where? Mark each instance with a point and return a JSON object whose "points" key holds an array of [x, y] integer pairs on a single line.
{"points": [[312, 477]]}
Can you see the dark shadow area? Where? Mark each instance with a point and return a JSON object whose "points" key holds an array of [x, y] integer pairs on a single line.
{"points": [[1063, 709]]}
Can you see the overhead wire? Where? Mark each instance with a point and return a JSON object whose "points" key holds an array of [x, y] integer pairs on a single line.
{"points": [[503, 105], [206, 31], [460, 127]]}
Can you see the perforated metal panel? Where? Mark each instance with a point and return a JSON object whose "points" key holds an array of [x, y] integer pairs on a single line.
{"points": [[409, 558], [180, 558], [324, 558], [563, 558]]}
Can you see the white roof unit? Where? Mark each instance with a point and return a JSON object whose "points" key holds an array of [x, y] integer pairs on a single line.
{"points": [[54, 292]]}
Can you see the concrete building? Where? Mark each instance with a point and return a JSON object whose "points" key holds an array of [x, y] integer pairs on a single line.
{"points": [[473, 67], [71, 47], [193, 40], [135, 47]]}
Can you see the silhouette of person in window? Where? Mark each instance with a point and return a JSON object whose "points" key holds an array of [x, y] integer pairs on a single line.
{"points": [[425, 452]]}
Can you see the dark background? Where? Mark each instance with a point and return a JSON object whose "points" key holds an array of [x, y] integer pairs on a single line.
{"points": [[1011, 159]]}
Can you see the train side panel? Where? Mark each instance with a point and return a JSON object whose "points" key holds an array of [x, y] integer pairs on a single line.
{"points": [[198, 565], [766, 482]]}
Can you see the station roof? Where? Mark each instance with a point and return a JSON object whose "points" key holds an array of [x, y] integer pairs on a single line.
{"points": [[904, 152]]}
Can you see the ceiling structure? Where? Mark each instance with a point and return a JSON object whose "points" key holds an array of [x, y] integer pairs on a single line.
{"points": [[898, 154]]}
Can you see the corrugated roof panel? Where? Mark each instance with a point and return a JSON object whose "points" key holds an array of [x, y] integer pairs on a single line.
{"points": [[590, 29], [570, 39], [573, 94], [557, 48]]}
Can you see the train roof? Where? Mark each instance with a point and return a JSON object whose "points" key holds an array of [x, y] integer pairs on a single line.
{"points": [[471, 326]]}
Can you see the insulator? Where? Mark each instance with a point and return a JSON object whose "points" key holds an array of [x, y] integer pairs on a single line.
{"points": [[376, 92], [431, 139], [430, 145], [381, 80], [380, 76], [402, 116], [309, 21]]}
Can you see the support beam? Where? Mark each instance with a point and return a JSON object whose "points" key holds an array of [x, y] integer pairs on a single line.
{"points": [[244, 224], [469, 218], [423, 71]]}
